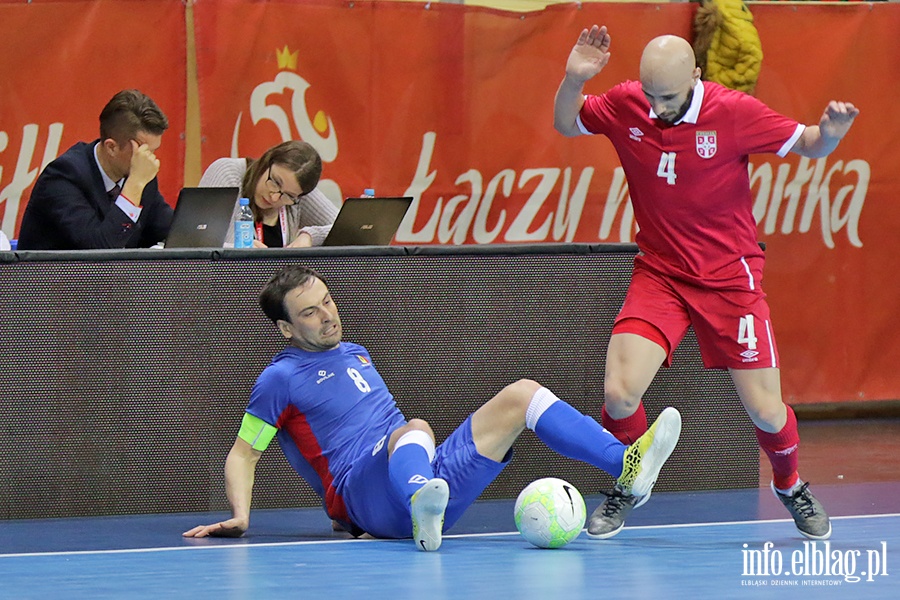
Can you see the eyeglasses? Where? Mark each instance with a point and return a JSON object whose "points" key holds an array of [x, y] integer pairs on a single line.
{"points": [[275, 189]]}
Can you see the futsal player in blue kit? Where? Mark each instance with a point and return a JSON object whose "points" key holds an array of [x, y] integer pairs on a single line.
{"points": [[376, 471]]}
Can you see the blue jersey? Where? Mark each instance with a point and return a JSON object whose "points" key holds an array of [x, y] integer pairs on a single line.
{"points": [[330, 408]]}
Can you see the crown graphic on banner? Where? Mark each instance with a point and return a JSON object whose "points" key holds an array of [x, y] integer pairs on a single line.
{"points": [[287, 60]]}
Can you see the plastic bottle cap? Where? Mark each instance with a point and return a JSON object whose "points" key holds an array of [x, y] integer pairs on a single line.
{"points": [[245, 201], [369, 192]]}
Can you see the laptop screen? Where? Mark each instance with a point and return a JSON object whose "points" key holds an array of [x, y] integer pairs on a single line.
{"points": [[368, 221], [202, 217]]}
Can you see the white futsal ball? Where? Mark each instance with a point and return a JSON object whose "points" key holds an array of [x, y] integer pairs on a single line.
{"points": [[550, 513]]}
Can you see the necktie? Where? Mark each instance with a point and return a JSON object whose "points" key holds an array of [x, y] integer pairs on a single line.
{"points": [[114, 193]]}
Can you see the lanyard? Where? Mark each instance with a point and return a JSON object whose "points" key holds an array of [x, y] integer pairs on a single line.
{"points": [[282, 219]]}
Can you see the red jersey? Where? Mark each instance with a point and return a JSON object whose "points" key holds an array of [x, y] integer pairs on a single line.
{"points": [[689, 182]]}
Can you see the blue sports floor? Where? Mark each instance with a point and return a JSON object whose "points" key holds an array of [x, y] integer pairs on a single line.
{"points": [[723, 544]]}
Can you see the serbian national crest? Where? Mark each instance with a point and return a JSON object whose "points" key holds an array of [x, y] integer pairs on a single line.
{"points": [[706, 144]]}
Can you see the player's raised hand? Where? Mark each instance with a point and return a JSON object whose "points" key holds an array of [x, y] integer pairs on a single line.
{"points": [[589, 55], [837, 119]]}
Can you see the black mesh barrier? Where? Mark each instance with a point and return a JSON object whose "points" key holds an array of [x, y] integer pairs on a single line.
{"points": [[123, 380]]}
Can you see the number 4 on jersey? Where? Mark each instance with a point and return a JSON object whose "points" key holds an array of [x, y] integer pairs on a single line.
{"points": [[666, 168]]}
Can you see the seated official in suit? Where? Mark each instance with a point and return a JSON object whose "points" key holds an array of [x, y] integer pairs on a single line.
{"points": [[103, 194], [288, 208]]}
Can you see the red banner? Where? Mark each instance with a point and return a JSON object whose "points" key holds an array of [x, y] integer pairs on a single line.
{"points": [[61, 62], [831, 224], [450, 104], [453, 105]]}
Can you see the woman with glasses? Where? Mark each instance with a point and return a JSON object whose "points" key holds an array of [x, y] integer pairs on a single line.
{"points": [[288, 209]]}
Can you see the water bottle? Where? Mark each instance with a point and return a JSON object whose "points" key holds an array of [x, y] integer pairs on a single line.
{"points": [[243, 225]]}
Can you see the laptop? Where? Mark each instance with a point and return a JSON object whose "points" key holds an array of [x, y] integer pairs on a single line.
{"points": [[367, 221], [202, 217]]}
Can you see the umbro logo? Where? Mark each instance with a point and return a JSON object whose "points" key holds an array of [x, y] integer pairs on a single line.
{"points": [[420, 479], [750, 355], [635, 134]]}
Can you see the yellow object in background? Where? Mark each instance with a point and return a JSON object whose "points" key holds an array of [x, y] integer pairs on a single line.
{"points": [[727, 44]]}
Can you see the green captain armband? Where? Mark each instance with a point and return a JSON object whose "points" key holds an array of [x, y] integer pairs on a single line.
{"points": [[256, 432]]}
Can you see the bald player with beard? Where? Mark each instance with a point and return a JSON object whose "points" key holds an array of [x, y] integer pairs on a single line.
{"points": [[684, 145]]}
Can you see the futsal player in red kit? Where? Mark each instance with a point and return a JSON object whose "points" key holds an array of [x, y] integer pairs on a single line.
{"points": [[684, 145]]}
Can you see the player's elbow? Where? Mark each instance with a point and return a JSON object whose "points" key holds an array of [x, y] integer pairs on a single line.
{"points": [[567, 129]]}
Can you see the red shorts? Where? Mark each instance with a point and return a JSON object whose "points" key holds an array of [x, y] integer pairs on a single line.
{"points": [[730, 319]]}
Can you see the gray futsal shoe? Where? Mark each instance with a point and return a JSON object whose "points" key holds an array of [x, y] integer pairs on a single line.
{"points": [[640, 467], [609, 518], [427, 507], [808, 514]]}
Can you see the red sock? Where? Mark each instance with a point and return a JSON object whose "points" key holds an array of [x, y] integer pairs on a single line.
{"points": [[629, 429], [781, 448]]}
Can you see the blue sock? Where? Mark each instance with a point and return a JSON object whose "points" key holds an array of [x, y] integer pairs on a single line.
{"points": [[409, 466], [572, 434]]}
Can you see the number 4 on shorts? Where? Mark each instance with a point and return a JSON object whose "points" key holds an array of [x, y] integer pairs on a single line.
{"points": [[747, 332]]}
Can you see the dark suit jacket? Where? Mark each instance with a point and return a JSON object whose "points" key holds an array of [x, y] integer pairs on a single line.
{"points": [[70, 210]]}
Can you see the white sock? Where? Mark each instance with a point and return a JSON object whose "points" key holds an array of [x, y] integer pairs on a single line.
{"points": [[793, 489], [540, 402]]}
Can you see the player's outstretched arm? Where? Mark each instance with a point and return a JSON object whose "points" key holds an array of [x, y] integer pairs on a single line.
{"points": [[587, 58], [821, 140], [240, 469]]}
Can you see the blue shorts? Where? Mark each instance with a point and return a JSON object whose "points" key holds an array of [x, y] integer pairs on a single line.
{"points": [[375, 506]]}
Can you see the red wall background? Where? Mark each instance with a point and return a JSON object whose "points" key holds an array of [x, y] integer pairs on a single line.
{"points": [[453, 105]]}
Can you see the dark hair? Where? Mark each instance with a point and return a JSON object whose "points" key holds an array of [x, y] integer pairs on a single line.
{"points": [[299, 157], [129, 112], [271, 298]]}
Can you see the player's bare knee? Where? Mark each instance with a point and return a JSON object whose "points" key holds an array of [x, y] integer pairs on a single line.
{"points": [[524, 388], [421, 425], [769, 418], [506, 410], [620, 403], [411, 425], [519, 394]]}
